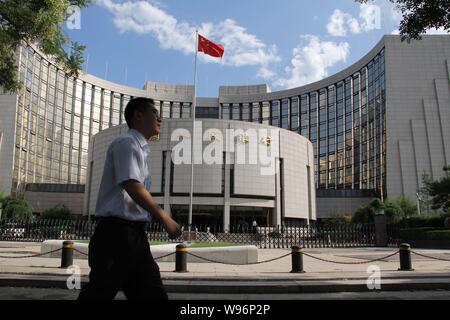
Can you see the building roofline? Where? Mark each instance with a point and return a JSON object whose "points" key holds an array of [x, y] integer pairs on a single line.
{"points": [[183, 93]]}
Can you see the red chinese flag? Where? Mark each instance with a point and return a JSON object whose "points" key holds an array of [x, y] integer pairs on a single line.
{"points": [[209, 47]]}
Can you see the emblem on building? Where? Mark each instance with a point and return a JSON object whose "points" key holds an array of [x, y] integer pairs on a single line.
{"points": [[267, 140]]}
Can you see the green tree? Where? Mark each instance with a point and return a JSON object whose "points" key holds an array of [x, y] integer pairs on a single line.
{"points": [[17, 209], [420, 15], [407, 206], [2, 197], [393, 211], [439, 190], [60, 211], [425, 198], [38, 22], [366, 214]]}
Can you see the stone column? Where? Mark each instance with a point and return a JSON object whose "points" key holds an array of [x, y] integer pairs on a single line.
{"points": [[167, 182], [226, 198], [381, 237], [276, 218]]}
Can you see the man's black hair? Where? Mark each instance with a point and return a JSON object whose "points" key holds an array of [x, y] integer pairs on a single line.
{"points": [[137, 104]]}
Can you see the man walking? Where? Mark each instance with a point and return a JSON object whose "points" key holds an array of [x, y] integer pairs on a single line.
{"points": [[119, 252]]}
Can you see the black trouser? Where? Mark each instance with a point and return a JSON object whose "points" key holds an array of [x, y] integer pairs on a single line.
{"points": [[120, 259]]}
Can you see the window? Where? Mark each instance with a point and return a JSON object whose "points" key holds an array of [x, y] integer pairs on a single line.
{"points": [[236, 112], [295, 113], [285, 113], [304, 104], [323, 130], [275, 113], [225, 111], [106, 108], [322, 98], [256, 112], [186, 110], [165, 110], [266, 112], [176, 110], [245, 112]]}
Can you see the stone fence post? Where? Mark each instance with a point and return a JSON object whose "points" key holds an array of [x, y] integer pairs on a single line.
{"points": [[381, 237]]}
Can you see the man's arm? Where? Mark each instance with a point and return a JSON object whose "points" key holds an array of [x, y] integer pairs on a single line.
{"points": [[143, 198]]}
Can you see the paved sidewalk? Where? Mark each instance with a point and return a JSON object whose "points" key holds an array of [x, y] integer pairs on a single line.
{"points": [[271, 276]]}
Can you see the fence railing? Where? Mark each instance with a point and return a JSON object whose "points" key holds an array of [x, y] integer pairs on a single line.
{"points": [[313, 235], [393, 232]]}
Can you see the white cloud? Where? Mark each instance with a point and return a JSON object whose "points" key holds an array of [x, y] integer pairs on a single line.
{"points": [[266, 74], [429, 31], [396, 14], [341, 23], [241, 47], [437, 31], [338, 23], [312, 60]]}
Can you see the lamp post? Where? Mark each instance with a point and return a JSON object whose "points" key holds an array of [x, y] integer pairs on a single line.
{"points": [[418, 202]]}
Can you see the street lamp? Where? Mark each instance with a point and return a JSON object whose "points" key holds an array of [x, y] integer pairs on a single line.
{"points": [[418, 202]]}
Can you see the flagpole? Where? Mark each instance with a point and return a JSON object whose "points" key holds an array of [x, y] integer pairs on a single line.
{"points": [[194, 104]]}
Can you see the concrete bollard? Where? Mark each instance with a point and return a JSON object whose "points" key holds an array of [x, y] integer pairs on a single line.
{"points": [[297, 260], [67, 254], [181, 258], [405, 258]]}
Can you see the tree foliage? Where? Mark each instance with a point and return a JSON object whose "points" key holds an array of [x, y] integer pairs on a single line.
{"points": [[17, 209], [59, 211], [439, 191], [38, 22], [395, 210]]}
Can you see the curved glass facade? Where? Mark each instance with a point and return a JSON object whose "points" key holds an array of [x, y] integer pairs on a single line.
{"points": [[57, 115], [345, 121]]}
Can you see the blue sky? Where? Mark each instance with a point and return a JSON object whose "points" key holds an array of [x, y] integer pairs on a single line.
{"points": [[284, 43]]}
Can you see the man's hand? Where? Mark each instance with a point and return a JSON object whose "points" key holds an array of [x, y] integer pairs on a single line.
{"points": [[172, 228]]}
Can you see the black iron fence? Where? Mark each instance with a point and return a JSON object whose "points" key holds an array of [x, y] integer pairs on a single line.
{"points": [[313, 235], [40, 230], [393, 233]]}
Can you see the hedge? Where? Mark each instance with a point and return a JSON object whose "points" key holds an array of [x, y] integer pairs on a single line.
{"points": [[425, 234]]}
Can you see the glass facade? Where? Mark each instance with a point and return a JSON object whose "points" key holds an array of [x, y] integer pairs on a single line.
{"points": [[345, 121], [57, 115]]}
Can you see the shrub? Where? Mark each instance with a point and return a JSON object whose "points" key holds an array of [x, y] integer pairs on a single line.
{"points": [[407, 206], [364, 215], [2, 196], [17, 209], [425, 220], [425, 234], [393, 211], [335, 219], [59, 211], [438, 235]]}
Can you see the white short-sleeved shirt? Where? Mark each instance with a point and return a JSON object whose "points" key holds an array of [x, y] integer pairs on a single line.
{"points": [[126, 159]]}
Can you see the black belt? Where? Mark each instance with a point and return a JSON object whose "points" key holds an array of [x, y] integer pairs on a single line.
{"points": [[115, 220]]}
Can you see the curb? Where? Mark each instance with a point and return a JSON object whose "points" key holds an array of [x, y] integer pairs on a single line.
{"points": [[248, 287]]}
